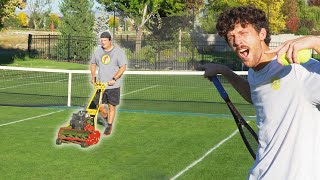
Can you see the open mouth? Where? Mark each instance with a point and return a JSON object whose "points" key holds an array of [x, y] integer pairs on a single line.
{"points": [[244, 53]]}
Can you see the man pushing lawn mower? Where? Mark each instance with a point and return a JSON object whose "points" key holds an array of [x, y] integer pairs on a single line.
{"points": [[111, 62]]}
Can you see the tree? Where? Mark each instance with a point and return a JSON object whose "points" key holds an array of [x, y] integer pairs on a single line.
{"points": [[273, 10], [101, 22], [78, 18], [314, 2], [309, 18], [77, 29], [140, 11], [211, 12], [54, 18], [114, 22], [167, 27], [23, 19], [290, 11], [292, 24], [40, 10], [7, 8], [11, 22]]}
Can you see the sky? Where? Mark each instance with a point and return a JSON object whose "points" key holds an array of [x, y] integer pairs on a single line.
{"points": [[55, 7]]}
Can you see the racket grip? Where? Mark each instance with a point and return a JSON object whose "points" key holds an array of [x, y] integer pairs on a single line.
{"points": [[219, 87]]}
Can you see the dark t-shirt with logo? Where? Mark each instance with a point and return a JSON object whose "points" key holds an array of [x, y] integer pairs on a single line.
{"points": [[108, 63]]}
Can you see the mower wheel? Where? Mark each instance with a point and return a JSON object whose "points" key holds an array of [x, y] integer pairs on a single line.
{"points": [[58, 141], [83, 145]]}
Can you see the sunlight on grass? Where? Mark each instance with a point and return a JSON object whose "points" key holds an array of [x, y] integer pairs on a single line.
{"points": [[51, 64]]}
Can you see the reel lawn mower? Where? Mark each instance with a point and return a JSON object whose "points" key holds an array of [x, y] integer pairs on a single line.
{"points": [[82, 128]]}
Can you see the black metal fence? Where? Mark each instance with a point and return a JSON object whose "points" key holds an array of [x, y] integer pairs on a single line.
{"points": [[142, 55], [152, 54], [62, 48]]}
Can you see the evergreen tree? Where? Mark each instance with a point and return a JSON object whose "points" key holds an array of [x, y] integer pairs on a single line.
{"points": [[76, 28], [78, 18]]}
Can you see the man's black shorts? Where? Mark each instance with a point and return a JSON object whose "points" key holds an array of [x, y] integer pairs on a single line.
{"points": [[110, 96]]}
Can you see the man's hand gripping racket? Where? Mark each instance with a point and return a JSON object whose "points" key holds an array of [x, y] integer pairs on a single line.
{"points": [[248, 135]]}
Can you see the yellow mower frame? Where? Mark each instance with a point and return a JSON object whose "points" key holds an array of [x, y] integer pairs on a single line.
{"points": [[93, 112]]}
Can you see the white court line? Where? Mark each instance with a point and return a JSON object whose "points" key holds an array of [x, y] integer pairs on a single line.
{"points": [[140, 90], [205, 155], [32, 84], [31, 77], [30, 118]]}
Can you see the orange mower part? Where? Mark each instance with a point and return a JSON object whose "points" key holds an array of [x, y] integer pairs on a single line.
{"points": [[84, 138]]}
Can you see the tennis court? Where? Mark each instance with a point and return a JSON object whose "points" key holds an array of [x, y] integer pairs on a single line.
{"points": [[168, 127]]}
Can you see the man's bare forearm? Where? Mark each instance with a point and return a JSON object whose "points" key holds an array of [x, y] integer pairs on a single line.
{"points": [[240, 84], [120, 72], [93, 68]]}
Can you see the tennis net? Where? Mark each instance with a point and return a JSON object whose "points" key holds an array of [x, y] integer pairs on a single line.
{"points": [[162, 91]]}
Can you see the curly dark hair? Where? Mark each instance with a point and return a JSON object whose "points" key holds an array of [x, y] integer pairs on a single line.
{"points": [[243, 15]]}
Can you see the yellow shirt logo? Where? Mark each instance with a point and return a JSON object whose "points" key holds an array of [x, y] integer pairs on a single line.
{"points": [[105, 59], [275, 83]]}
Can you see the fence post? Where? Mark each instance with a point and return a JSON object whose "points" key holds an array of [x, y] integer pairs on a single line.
{"points": [[192, 55], [69, 39], [29, 43], [159, 53], [49, 53]]}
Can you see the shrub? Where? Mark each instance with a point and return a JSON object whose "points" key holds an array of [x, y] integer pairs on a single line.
{"points": [[128, 53], [303, 31], [146, 53]]}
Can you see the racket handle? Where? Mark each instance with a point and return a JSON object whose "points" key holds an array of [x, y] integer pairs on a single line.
{"points": [[220, 88]]}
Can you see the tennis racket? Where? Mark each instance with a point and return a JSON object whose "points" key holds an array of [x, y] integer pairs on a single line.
{"points": [[248, 135]]}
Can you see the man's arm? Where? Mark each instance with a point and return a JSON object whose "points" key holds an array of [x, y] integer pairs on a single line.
{"points": [[317, 46], [120, 72], [93, 68], [291, 47], [117, 75], [240, 84]]}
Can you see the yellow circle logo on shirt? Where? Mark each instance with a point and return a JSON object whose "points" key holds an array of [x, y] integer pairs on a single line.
{"points": [[275, 83], [105, 59]]}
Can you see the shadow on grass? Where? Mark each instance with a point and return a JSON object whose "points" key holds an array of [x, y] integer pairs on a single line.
{"points": [[7, 55]]}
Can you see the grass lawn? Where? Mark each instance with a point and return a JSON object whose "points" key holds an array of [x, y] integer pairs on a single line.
{"points": [[142, 146], [148, 141], [44, 63]]}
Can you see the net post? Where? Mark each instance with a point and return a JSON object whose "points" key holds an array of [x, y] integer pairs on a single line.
{"points": [[69, 89]]}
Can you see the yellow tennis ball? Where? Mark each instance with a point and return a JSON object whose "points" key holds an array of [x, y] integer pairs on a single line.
{"points": [[303, 56]]}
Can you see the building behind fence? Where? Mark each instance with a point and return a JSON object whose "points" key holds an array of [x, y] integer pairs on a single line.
{"points": [[153, 54]]}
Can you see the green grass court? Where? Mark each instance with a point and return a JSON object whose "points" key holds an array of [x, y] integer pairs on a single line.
{"points": [[166, 127], [143, 146]]}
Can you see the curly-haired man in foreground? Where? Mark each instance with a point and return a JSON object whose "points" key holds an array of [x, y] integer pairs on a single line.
{"points": [[285, 97]]}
